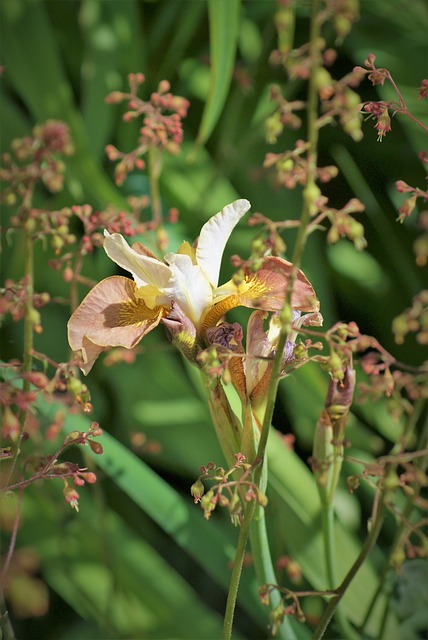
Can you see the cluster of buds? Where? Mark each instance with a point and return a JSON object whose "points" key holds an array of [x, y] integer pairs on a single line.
{"points": [[413, 320], [48, 467], [311, 60], [284, 115], [409, 204], [268, 241], [94, 223], [380, 113], [342, 14], [291, 167], [161, 127], [340, 100], [225, 492], [401, 388], [66, 380], [413, 543], [13, 403], [404, 474], [344, 225], [16, 401], [14, 299], [71, 470], [291, 567], [278, 613], [80, 476], [36, 158], [43, 223], [380, 110]]}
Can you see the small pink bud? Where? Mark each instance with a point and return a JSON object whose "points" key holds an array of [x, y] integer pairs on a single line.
{"points": [[89, 477], [96, 447], [67, 274], [37, 378], [114, 97]]}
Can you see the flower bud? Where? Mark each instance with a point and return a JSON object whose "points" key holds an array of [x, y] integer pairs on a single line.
{"points": [[197, 490], [335, 365], [74, 385], [311, 195], [353, 483], [71, 496], [38, 379], [96, 447], [208, 504]]}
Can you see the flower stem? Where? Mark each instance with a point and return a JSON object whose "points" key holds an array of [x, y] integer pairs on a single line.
{"points": [[29, 309], [410, 427], [312, 153], [154, 169], [27, 359], [277, 362], [347, 632], [237, 570], [265, 571], [368, 545]]}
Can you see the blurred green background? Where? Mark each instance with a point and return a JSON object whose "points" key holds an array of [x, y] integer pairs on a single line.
{"points": [[139, 561]]}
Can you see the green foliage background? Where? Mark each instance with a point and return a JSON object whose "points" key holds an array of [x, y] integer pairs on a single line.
{"points": [[139, 561]]}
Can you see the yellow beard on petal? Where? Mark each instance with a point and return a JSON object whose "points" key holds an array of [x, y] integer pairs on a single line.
{"points": [[132, 312]]}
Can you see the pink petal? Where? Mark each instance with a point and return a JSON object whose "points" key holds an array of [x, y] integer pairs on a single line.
{"points": [[110, 316], [267, 287]]}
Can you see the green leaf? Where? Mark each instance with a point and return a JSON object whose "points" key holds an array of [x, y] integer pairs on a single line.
{"points": [[224, 33], [208, 544]]}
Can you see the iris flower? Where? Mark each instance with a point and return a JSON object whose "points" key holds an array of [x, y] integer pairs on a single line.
{"points": [[182, 292]]}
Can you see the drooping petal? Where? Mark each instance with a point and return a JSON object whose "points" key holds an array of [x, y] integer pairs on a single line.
{"points": [[110, 316], [213, 237], [188, 286], [266, 289], [144, 268]]}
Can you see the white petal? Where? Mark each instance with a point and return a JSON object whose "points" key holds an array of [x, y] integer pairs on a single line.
{"points": [[188, 287], [214, 235], [144, 269]]}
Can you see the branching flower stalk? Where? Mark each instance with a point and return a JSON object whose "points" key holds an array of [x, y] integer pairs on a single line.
{"points": [[396, 546], [376, 526], [311, 193]]}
